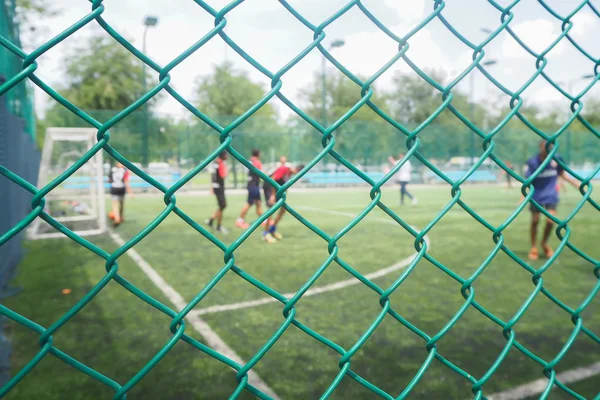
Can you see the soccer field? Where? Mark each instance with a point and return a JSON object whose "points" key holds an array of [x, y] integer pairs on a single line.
{"points": [[118, 333]]}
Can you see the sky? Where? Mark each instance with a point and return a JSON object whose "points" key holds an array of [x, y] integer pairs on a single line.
{"points": [[273, 36]]}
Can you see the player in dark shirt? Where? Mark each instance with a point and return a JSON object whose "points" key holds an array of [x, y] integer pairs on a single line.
{"points": [[546, 195], [282, 173], [118, 178], [253, 191], [219, 172]]}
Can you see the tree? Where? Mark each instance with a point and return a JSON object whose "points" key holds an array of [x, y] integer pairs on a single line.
{"points": [[223, 95], [227, 93], [412, 100], [359, 138], [103, 75], [341, 94], [29, 14], [103, 78]]}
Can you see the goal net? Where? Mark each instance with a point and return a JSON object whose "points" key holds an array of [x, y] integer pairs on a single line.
{"points": [[78, 202]]}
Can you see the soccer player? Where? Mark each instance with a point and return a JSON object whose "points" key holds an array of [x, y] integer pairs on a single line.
{"points": [[404, 175], [119, 185], [546, 195], [218, 175], [281, 174], [253, 191]]}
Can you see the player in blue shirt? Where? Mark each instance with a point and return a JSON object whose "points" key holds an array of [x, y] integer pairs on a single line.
{"points": [[546, 195]]}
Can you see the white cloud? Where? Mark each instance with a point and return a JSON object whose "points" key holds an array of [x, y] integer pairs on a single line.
{"points": [[366, 52], [537, 34], [582, 22], [408, 10]]}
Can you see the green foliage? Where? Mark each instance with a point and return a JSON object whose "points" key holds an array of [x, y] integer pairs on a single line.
{"points": [[30, 15], [341, 95], [103, 75], [228, 91]]}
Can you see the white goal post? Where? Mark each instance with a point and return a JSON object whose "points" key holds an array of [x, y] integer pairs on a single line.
{"points": [[78, 202]]}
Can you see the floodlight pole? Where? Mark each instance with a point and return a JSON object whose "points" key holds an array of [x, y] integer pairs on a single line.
{"points": [[472, 108], [334, 44], [148, 22]]}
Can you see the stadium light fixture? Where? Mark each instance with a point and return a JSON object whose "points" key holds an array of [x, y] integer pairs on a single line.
{"points": [[337, 43], [333, 45], [150, 21]]}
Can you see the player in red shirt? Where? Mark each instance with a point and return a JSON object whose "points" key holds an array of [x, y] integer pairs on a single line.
{"points": [[253, 191], [218, 174], [281, 174], [119, 185]]}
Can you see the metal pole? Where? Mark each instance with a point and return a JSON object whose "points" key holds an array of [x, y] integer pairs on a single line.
{"points": [[323, 93], [145, 112], [568, 149], [471, 115]]}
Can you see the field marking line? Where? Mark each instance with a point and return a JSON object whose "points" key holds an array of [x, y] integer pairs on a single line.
{"points": [[539, 385], [213, 340], [318, 289]]}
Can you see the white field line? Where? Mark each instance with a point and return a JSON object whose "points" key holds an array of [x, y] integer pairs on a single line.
{"points": [[536, 387], [318, 289], [213, 340], [520, 392]]}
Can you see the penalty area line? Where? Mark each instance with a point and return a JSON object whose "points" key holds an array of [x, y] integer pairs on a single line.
{"points": [[213, 340]]}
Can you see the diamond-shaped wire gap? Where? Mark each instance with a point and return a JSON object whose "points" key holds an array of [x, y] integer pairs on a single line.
{"points": [[573, 359], [470, 35], [316, 364], [165, 44], [583, 22], [292, 230], [219, 108], [481, 336], [78, 272], [535, 33], [389, 341], [197, 257], [176, 30], [50, 63], [366, 47], [517, 369], [543, 331], [210, 377], [475, 242], [104, 48], [284, 269], [396, 245], [269, 33], [146, 329], [544, 94], [341, 93]]}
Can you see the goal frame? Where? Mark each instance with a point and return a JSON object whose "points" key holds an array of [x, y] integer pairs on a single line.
{"points": [[96, 195]]}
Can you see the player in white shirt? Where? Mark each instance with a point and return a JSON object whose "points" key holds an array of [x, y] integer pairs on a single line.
{"points": [[118, 178], [403, 175]]}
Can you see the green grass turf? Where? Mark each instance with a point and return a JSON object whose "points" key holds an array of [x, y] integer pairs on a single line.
{"points": [[117, 333]]}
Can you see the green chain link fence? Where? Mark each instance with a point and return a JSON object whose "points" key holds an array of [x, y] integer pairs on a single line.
{"points": [[413, 144], [364, 142]]}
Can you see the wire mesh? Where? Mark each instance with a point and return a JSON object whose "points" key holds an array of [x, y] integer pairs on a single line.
{"points": [[328, 141]]}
